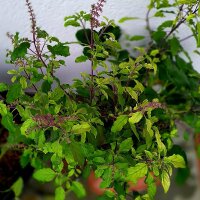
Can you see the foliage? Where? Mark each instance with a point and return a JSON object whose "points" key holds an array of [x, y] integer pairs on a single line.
{"points": [[111, 121]]}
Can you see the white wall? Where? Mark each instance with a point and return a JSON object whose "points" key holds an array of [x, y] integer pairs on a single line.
{"points": [[50, 14]]}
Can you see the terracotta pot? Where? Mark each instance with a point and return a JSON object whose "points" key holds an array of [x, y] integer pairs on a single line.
{"points": [[94, 185]]}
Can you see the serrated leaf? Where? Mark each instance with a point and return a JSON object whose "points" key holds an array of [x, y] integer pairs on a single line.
{"points": [[44, 175], [20, 51], [119, 123], [135, 117], [59, 193], [81, 59], [165, 180], [14, 93], [78, 189], [126, 145], [137, 172], [123, 19], [176, 160]]}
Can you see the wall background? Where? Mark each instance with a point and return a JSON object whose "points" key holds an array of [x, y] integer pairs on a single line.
{"points": [[50, 15]]}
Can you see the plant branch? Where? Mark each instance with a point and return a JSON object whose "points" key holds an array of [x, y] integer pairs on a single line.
{"points": [[175, 27]]}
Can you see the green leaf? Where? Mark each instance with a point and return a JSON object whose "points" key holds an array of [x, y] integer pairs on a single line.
{"points": [[107, 178], [99, 160], [126, 145], [165, 24], [29, 123], [14, 93], [135, 117], [151, 186], [8, 123], [133, 128], [23, 82], [176, 160], [161, 146], [3, 87], [159, 14], [132, 93], [20, 51], [165, 180], [139, 87], [57, 148], [59, 193], [77, 152], [25, 157], [3, 109], [81, 59], [44, 175], [17, 187], [42, 33], [81, 128], [154, 52], [198, 36], [57, 94], [78, 189], [158, 35], [174, 46], [136, 38], [59, 49], [46, 86], [137, 172], [71, 23], [188, 2], [123, 19], [119, 123]]}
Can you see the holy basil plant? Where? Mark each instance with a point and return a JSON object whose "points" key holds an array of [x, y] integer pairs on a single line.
{"points": [[102, 122]]}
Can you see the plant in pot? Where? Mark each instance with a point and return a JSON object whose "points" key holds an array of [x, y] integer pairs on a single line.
{"points": [[102, 123], [177, 82]]}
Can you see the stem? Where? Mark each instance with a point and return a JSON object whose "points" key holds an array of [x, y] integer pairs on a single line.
{"points": [[148, 27], [91, 68], [102, 31], [188, 37], [28, 76], [85, 33]]}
